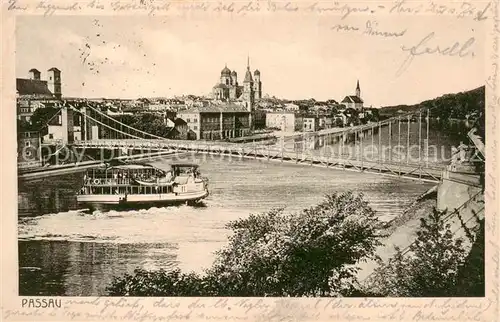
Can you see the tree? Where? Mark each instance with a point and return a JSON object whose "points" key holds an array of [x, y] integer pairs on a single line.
{"points": [[351, 111], [429, 269], [375, 114], [23, 126], [455, 106], [126, 119], [470, 276], [274, 254], [338, 122], [310, 253], [147, 122], [41, 116]]}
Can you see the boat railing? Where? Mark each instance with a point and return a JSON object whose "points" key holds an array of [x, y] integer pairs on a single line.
{"points": [[106, 182], [123, 181]]}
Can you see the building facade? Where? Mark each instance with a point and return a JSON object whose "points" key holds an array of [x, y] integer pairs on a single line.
{"points": [[29, 150], [311, 124], [217, 122], [60, 128], [33, 92], [325, 122], [286, 121]]}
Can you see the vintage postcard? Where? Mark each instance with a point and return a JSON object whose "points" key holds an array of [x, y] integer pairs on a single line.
{"points": [[249, 160]]}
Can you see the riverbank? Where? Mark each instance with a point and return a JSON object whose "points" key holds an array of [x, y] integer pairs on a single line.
{"points": [[419, 208], [401, 230]]}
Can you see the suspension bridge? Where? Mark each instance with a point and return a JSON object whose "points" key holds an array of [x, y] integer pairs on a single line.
{"points": [[400, 146]]}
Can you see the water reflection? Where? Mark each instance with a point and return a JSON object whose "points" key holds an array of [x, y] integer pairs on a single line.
{"points": [[48, 195], [397, 143], [85, 268]]}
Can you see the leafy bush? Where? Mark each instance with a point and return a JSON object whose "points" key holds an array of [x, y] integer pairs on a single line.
{"points": [[470, 276], [159, 283], [41, 116], [310, 253]]}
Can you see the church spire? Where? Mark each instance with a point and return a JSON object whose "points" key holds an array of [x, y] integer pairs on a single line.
{"points": [[358, 90], [248, 75]]}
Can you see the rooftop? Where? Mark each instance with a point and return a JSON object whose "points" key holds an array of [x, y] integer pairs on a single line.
{"points": [[220, 85], [224, 108], [248, 76], [184, 164], [352, 99], [32, 87], [226, 71]]}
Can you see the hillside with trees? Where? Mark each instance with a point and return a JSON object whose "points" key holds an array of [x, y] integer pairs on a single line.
{"points": [[463, 105]]}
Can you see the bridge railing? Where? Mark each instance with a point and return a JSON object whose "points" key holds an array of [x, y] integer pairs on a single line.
{"points": [[172, 144], [255, 149]]}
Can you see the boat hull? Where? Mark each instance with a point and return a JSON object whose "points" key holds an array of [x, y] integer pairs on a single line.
{"points": [[102, 202]]}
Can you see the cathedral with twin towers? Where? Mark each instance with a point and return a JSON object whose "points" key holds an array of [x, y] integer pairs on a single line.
{"points": [[228, 87]]}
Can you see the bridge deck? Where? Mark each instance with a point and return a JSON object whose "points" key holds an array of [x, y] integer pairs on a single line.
{"points": [[399, 169]]}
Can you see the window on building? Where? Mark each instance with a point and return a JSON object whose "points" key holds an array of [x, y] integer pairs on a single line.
{"points": [[188, 120], [51, 136], [195, 120], [195, 127], [28, 153], [27, 143]]}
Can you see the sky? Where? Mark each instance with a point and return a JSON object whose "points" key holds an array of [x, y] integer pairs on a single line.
{"points": [[299, 56]]}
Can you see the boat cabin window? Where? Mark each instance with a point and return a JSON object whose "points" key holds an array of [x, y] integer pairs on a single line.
{"points": [[122, 176], [132, 180], [185, 170]]}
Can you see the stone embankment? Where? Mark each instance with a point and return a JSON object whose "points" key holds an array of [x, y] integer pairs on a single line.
{"points": [[401, 231]]}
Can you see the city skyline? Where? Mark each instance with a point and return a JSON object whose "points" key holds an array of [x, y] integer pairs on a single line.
{"points": [[132, 57]]}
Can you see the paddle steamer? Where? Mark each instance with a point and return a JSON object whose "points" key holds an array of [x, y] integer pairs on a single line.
{"points": [[142, 184]]}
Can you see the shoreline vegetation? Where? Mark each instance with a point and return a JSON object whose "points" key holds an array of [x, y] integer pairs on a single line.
{"points": [[316, 252]]}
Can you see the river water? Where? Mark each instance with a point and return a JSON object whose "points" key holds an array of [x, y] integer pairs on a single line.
{"points": [[64, 250]]}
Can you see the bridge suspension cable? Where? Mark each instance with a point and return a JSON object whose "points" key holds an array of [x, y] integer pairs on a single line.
{"points": [[105, 125], [125, 125], [120, 124]]}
